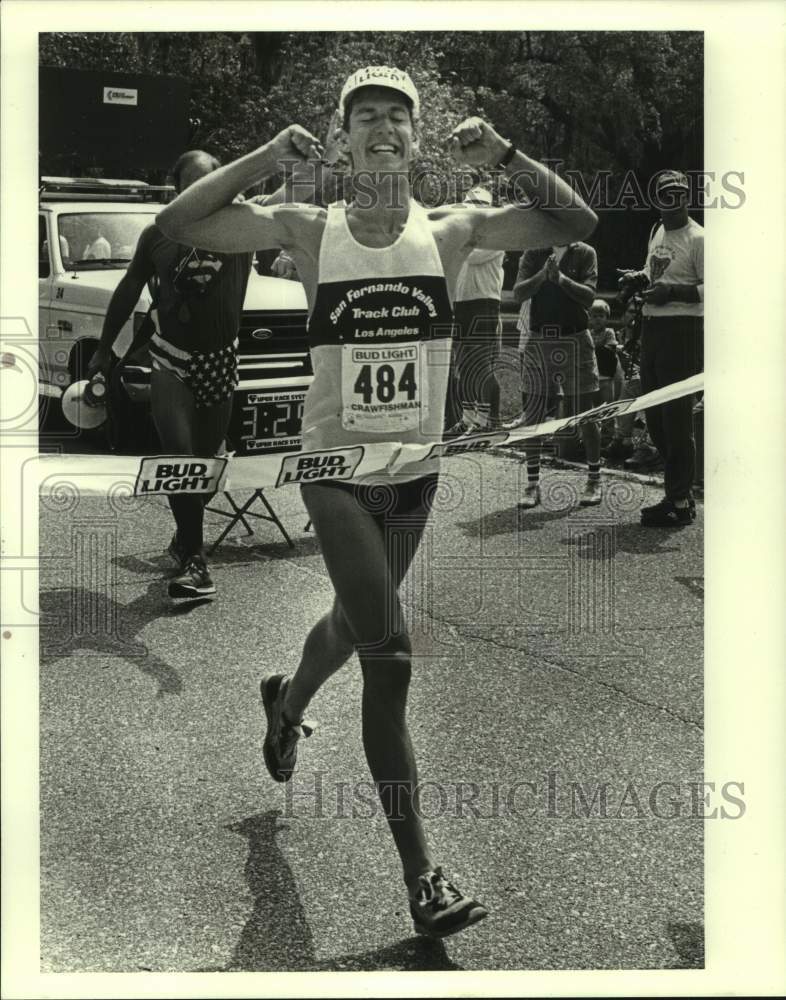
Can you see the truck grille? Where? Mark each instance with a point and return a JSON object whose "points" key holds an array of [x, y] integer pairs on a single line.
{"points": [[273, 345]]}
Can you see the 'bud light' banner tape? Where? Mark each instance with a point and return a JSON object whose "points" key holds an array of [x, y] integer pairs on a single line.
{"points": [[172, 474], [102, 474]]}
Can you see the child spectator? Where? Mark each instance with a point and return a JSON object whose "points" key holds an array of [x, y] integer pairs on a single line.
{"points": [[610, 374], [640, 454]]}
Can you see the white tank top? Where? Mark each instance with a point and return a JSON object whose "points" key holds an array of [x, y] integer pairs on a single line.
{"points": [[380, 341]]}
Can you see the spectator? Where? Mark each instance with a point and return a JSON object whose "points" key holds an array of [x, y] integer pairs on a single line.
{"points": [[607, 349], [284, 267], [672, 341], [65, 250], [636, 452], [607, 356], [477, 334], [559, 356], [522, 325], [99, 249], [199, 303], [621, 446]]}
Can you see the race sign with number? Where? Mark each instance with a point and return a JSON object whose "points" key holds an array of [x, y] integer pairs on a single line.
{"points": [[267, 419], [382, 388]]}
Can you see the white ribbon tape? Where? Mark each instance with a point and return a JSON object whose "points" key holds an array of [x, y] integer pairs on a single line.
{"points": [[100, 474]]}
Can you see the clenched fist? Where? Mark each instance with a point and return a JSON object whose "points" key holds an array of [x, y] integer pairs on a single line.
{"points": [[475, 142], [296, 143]]}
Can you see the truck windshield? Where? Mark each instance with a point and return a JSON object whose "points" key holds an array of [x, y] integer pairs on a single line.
{"points": [[95, 240]]}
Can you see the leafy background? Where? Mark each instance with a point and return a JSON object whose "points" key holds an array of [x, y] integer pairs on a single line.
{"points": [[629, 103]]}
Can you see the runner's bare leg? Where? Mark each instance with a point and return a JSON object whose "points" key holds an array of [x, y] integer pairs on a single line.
{"points": [[367, 608]]}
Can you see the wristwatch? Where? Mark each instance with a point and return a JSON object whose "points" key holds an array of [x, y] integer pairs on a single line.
{"points": [[511, 152]]}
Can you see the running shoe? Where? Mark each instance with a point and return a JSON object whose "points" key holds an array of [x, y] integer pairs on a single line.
{"points": [[282, 736], [460, 428], [438, 908], [515, 423], [592, 494], [531, 497], [666, 515], [193, 582]]}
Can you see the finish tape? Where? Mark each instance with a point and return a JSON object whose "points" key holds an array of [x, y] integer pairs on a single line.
{"points": [[99, 475]]}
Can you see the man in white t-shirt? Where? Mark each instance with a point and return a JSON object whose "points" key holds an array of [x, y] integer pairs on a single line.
{"points": [[99, 249], [476, 344], [672, 341]]}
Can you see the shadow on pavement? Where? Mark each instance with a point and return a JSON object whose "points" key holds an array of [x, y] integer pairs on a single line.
{"points": [[230, 552], [276, 937], [688, 941], [413, 954], [628, 538], [509, 522], [81, 620], [695, 584], [637, 538]]}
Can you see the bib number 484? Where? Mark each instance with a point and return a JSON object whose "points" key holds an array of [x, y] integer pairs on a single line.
{"points": [[380, 383]]}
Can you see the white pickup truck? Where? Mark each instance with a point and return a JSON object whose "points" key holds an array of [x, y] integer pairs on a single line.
{"points": [[88, 230]]}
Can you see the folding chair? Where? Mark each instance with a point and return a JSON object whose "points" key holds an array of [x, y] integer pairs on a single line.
{"points": [[241, 513]]}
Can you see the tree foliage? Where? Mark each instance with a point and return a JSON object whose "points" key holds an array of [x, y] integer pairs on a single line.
{"points": [[623, 102]]}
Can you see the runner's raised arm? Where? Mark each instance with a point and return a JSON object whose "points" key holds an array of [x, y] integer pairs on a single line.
{"points": [[204, 214], [554, 214]]}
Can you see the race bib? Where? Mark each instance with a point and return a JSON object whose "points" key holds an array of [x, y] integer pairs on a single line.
{"points": [[383, 389]]}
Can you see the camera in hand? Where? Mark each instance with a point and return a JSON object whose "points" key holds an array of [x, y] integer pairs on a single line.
{"points": [[632, 285]]}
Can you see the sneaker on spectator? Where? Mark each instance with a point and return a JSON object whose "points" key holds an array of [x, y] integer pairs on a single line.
{"points": [[515, 423], [459, 429], [193, 582], [531, 497], [592, 494], [665, 515]]}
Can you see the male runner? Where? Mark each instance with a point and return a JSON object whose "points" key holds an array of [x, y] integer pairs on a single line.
{"points": [[379, 274]]}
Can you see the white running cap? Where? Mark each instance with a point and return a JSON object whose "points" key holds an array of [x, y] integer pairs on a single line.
{"points": [[77, 411], [381, 76]]}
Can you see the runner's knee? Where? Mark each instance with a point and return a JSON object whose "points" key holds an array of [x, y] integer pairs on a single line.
{"points": [[386, 680], [340, 626]]}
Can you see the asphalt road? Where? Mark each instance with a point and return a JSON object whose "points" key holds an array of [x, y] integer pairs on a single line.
{"points": [[558, 647]]}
